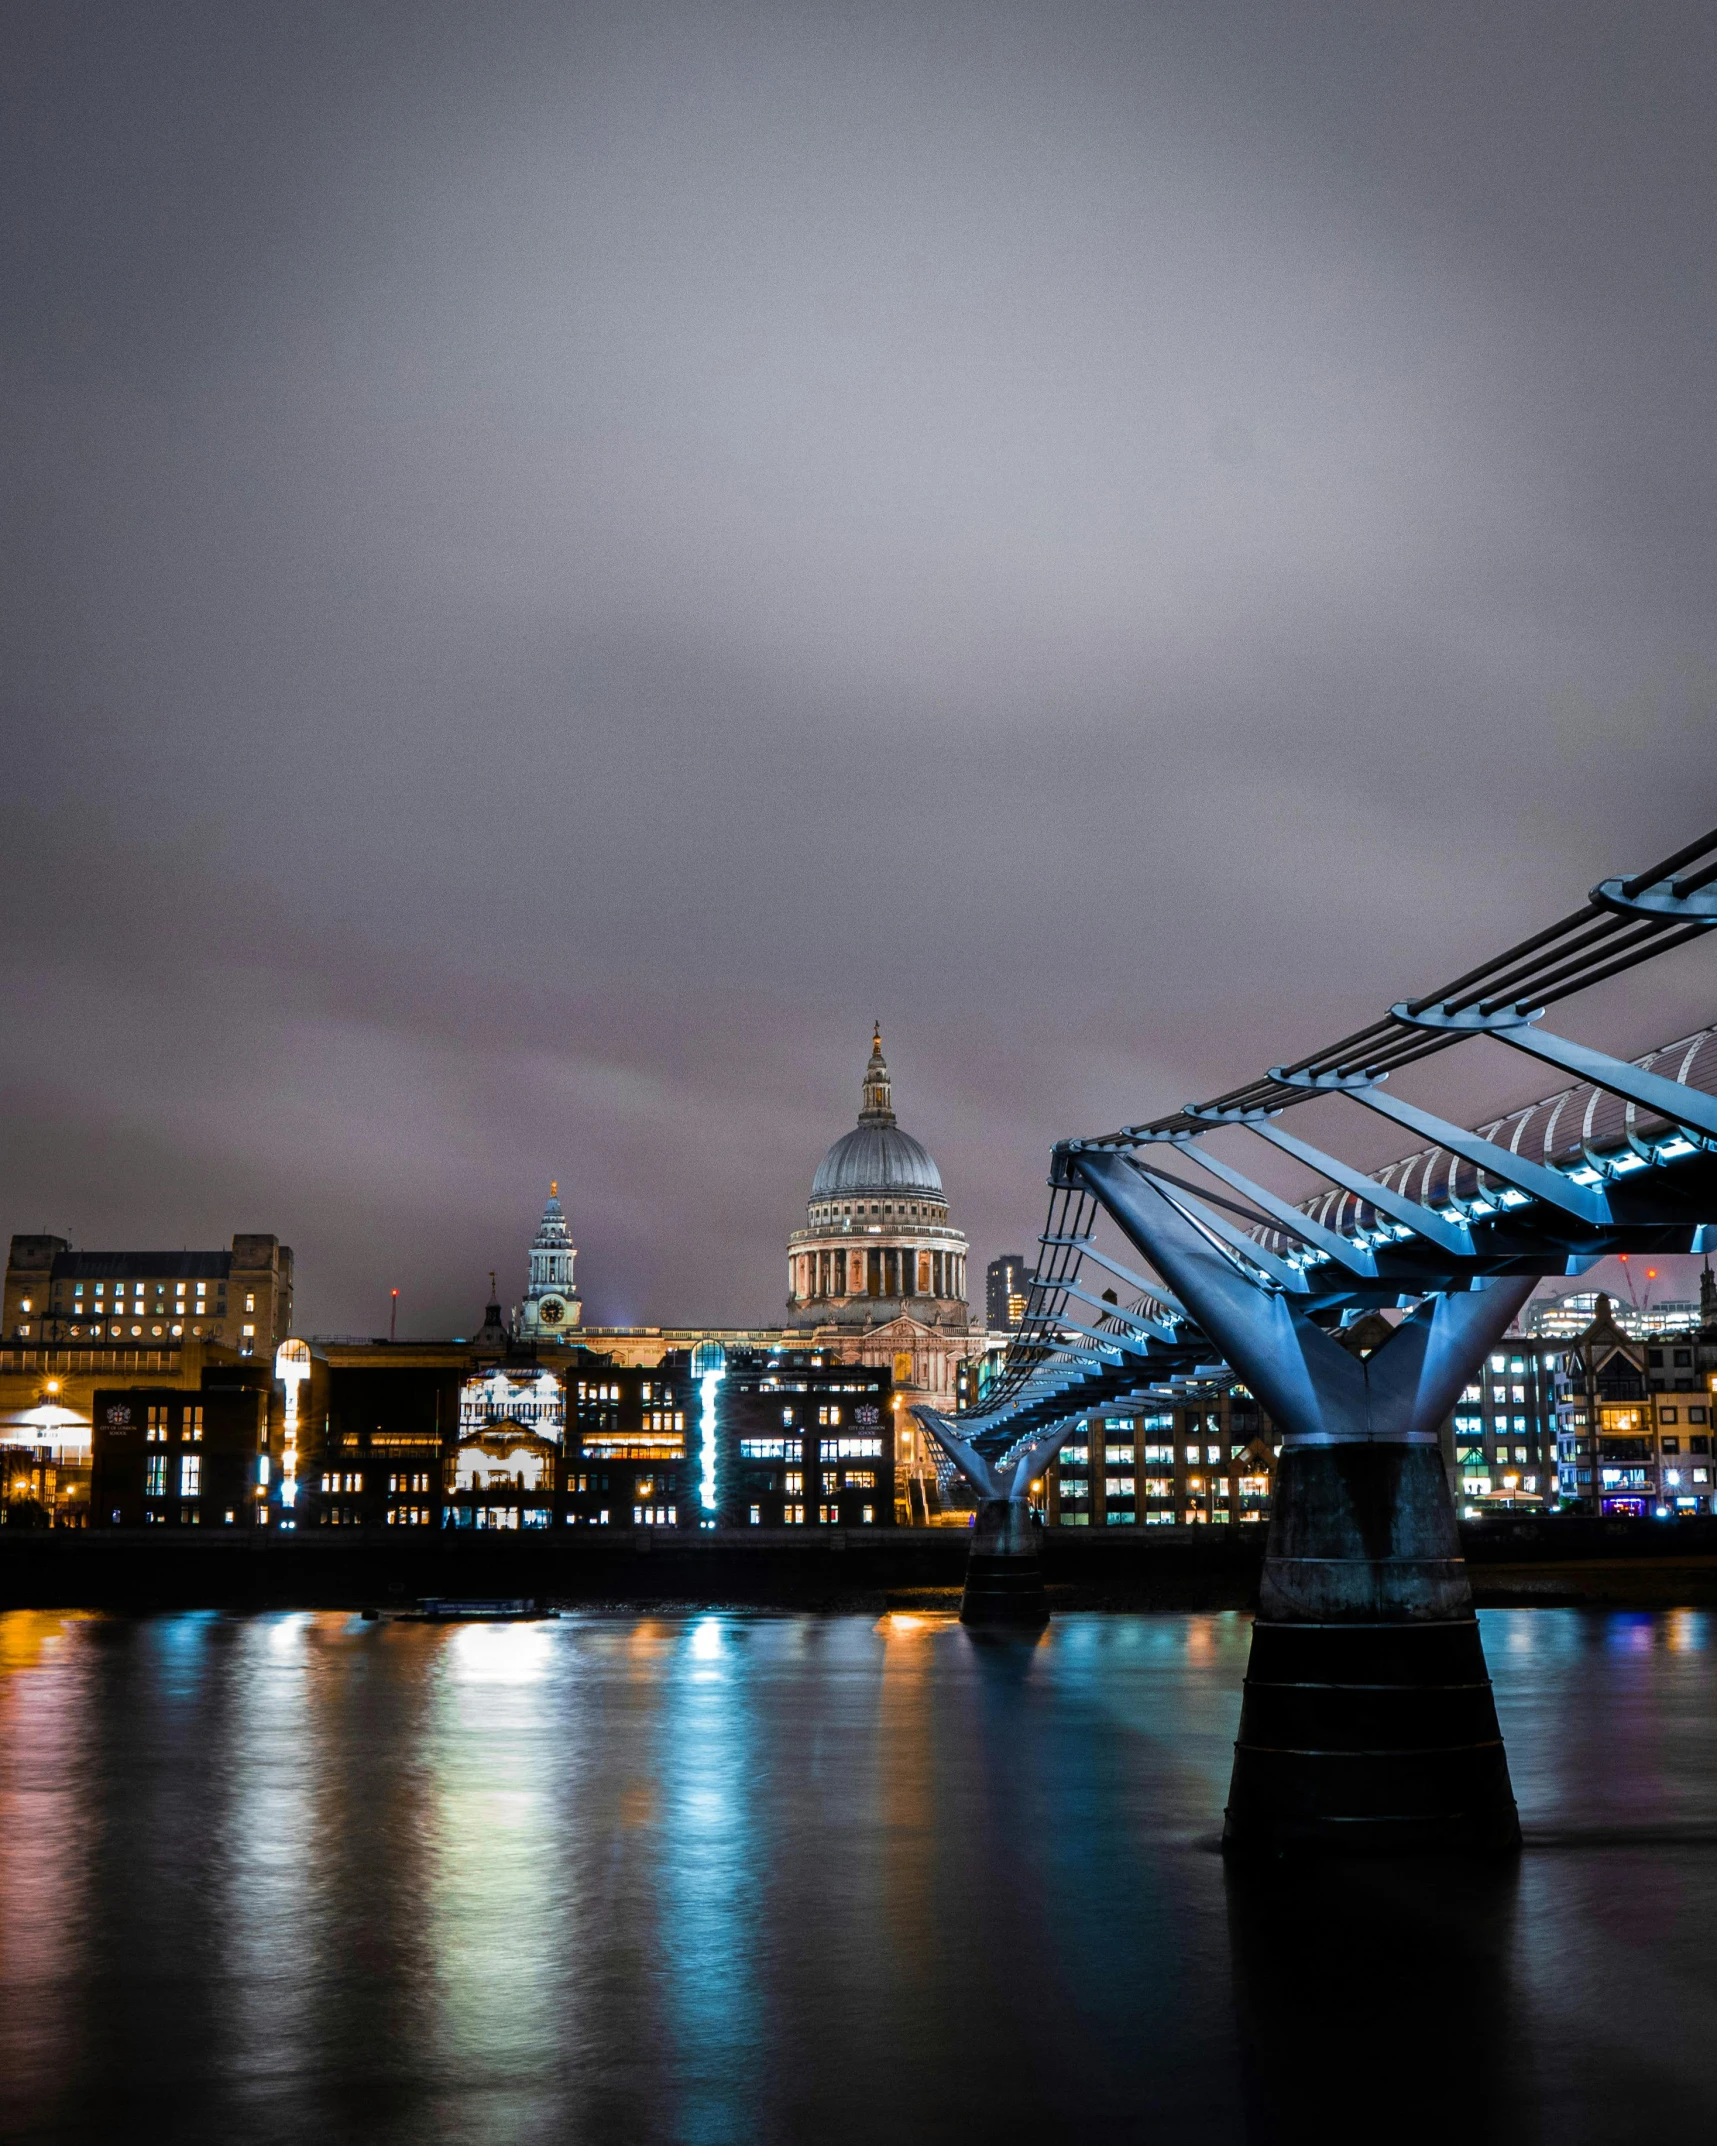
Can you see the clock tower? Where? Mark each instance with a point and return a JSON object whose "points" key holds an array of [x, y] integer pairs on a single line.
{"points": [[551, 1303]]}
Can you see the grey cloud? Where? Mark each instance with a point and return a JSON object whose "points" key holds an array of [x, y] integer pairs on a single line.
{"points": [[558, 562]]}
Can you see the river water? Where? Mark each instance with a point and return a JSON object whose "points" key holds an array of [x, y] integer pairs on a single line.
{"points": [[795, 1878]]}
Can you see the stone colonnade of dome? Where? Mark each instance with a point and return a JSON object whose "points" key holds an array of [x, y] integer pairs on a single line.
{"points": [[898, 1269]]}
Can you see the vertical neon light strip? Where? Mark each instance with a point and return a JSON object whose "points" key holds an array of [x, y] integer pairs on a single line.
{"points": [[707, 1428]]}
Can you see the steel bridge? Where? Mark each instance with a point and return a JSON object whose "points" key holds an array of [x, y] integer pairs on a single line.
{"points": [[1368, 1713]]}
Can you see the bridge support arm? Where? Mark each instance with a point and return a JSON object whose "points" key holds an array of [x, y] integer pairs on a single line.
{"points": [[1368, 1720]]}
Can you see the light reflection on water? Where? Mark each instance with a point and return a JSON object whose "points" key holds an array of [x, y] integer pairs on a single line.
{"points": [[754, 1878]]}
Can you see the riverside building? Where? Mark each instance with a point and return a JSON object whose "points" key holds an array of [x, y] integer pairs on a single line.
{"points": [[1207, 1460], [1634, 1417], [78, 1323], [743, 1438]]}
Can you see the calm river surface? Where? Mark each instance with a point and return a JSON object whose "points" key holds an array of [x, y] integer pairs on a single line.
{"points": [[765, 1878]]}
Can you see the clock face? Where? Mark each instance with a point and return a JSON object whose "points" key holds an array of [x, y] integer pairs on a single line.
{"points": [[552, 1310]]}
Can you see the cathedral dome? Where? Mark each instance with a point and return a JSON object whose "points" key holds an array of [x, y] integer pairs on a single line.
{"points": [[876, 1156]]}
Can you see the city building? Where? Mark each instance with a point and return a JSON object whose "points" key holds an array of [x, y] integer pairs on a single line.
{"points": [[1565, 1318], [163, 1456], [239, 1299], [1648, 1405], [1007, 1287], [76, 1323], [711, 1437], [551, 1304], [1503, 1432], [1206, 1459]]}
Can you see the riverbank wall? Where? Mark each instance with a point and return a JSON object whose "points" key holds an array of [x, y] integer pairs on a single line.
{"points": [[1515, 1562]]}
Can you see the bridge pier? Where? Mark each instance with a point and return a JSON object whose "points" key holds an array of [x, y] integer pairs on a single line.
{"points": [[1004, 1565], [1004, 1568], [1368, 1722]]}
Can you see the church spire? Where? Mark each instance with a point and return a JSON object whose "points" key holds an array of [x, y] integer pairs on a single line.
{"points": [[878, 1096]]}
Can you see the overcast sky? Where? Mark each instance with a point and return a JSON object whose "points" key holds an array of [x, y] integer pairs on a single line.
{"points": [[560, 559]]}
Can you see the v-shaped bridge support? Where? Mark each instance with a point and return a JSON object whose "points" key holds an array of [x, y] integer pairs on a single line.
{"points": [[1004, 1568], [1368, 1718]]}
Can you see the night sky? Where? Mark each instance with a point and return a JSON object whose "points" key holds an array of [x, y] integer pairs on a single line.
{"points": [[560, 560]]}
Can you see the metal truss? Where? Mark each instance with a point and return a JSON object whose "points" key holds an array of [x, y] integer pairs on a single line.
{"points": [[1623, 1160]]}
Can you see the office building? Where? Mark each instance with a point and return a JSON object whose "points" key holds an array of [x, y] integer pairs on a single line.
{"points": [[76, 1323], [1007, 1288]]}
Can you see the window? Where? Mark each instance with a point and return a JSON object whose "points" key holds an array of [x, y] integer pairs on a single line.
{"points": [[190, 1475], [249, 1303], [156, 1431], [860, 1479], [869, 1516], [829, 1414], [793, 1516], [794, 1483], [757, 1516], [1192, 1456], [194, 1424], [155, 1482], [1672, 1445], [1075, 1490], [770, 1449], [829, 1515], [1118, 1486], [1119, 1456]]}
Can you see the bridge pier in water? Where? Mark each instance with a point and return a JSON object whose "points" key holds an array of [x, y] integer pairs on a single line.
{"points": [[1004, 1563], [1004, 1568], [1368, 1722]]}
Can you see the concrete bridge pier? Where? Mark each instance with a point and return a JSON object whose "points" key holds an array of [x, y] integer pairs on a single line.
{"points": [[1368, 1722], [1004, 1567]]}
